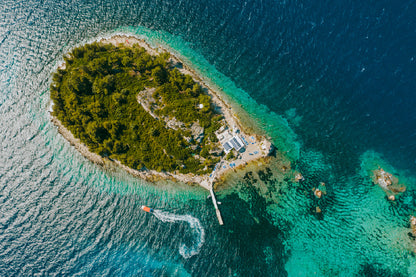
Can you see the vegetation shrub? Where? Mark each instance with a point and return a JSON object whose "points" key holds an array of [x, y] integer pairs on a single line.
{"points": [[95, 97]]}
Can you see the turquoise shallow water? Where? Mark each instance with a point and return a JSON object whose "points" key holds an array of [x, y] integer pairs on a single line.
{"points": [[62, 215]]}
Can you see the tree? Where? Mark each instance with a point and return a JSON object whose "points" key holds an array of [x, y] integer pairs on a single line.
{"points": [[159, 75], [95, 98]]}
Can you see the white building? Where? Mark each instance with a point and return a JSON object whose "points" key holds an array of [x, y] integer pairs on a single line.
{"points": [[228, 141], [234, 142]]}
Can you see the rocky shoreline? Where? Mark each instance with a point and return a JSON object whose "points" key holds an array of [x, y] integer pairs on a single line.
{"points": [[256, 147]]}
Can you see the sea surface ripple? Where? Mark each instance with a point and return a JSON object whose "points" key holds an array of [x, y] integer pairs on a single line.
{"points": [[332, 84]]}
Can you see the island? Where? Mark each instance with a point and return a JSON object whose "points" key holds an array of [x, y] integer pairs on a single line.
{"points": [[119, 101]]}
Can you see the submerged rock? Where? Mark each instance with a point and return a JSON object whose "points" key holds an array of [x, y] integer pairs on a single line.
{"points": [[317, 193], [299, 177], [320, 190], [413, 225], [388, 182]]}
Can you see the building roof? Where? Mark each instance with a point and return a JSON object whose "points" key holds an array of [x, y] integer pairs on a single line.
{"points": [[234, 142], [227, 147]]}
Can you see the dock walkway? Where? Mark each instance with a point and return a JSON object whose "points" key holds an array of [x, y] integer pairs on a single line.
{"points": [[209, 186], [217, 210]]}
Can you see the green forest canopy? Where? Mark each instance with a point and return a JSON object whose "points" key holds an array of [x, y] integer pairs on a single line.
{"points": [[95, 97]]}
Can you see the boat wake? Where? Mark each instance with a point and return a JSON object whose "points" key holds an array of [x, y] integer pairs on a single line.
{"points": [[197, 230]]}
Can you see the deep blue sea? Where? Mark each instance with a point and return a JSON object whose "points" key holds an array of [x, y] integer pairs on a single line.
{"points": [[333, 83]]}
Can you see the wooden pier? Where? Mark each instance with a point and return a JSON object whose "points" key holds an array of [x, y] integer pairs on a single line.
{"points": [[208, 184], [217, 210]]}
